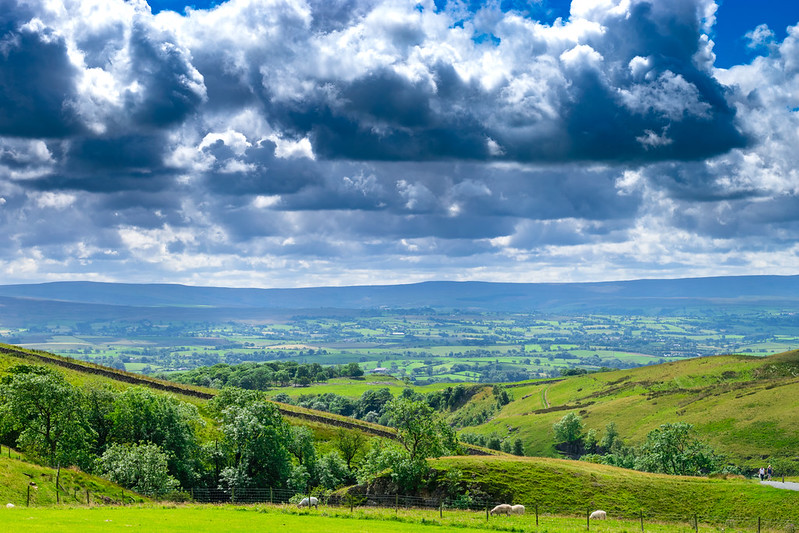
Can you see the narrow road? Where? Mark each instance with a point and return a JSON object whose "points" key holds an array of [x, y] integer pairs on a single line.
{"points": [[544, 397], [788, 485]]}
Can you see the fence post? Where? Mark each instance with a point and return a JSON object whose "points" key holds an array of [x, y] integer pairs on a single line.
{"points": [[270, 495], [758, 524], [57, 479], [28, 504], [88, 501], [536, 515], [233, 495], [587, 519], [396, 504], [696, 523], [486, 513], [642, 521]]}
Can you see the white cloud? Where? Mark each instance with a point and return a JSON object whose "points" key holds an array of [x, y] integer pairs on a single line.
{"points": [[254, 143], [264, 202], [55, 200]]}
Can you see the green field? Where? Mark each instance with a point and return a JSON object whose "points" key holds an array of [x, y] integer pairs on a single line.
{"points": [[228, 518]]}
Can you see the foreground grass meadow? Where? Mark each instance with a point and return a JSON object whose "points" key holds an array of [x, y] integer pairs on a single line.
{"points": [[231, 518]]}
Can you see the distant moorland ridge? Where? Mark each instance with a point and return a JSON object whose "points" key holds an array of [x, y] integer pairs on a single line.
{"points": [[648, 295]]}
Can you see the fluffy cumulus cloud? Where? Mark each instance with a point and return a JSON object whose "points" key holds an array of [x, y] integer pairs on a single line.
{"points": [[306, 142]]}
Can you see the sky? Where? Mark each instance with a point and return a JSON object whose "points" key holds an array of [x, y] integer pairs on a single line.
{"points": [[292, 143]]}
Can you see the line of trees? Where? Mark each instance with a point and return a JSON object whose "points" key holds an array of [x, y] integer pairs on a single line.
{"points": [[157, 445], [671, 448], [372, 405], [262, 376]]}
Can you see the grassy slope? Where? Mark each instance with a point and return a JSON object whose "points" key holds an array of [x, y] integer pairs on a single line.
{"points": [[16, 473], [564, 486], [746, 407]]}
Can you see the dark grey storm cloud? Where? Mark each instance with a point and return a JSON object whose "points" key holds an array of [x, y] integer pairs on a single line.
{"points": [[37, 80], [169, 88], [289, 142]]}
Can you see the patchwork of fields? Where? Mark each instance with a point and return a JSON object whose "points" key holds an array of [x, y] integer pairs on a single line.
{"points": [[420, 347]]}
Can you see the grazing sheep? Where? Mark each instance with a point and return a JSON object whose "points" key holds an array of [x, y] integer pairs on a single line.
{"points": [[517, 509], [502, 508], [306, 503], [598, 515], [9, 506]]}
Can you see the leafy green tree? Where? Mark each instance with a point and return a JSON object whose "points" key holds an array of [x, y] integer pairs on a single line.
{"points": [[302, 448], [139, 467], [569, 429], [610, 437], [98, 403], [518, 447], [419, 431], [350, 444], [501, 395], [299, 479], [408, 475], [353, 370], [590, 441], [420, 434], [141, 416], [373, 401], [45, 411], [674, 449], [282, 377], [569, 433], [256, 440], [333, 472]]}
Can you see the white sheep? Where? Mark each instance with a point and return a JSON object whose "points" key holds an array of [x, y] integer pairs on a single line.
{"points": [[502, 508], [598, 515], [313, 502], [517, 509], [9, 506]]}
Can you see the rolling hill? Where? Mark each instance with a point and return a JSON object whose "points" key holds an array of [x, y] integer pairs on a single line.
{"points": [[746, 407]]}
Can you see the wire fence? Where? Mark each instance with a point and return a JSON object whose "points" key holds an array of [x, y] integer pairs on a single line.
{"points": [[537, 513]]}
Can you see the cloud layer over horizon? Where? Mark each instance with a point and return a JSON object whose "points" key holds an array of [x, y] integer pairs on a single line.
{"points": [[298, 143]]}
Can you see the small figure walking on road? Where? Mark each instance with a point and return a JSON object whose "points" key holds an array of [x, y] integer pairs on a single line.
{"points": [[769, 471], [762, 473]]}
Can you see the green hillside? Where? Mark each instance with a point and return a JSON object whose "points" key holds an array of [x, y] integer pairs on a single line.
{"points": [[16, 475], [561, 486], [746, 407]]}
